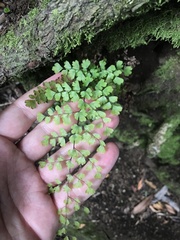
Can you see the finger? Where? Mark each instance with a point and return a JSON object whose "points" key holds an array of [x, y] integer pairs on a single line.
{"points": [[50, 176], [31, 144], [106, 161], [17, 118]]}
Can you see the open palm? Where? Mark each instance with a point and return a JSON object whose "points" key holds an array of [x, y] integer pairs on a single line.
{"points": [[27, 211]]}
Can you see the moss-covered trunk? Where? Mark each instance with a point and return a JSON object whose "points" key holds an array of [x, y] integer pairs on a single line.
{"points": [[56, 27]]}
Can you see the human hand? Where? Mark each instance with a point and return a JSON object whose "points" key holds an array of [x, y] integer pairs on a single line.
{"points": [[27, 211]]}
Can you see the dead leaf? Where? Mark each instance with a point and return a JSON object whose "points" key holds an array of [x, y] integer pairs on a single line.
{"points": [[170, 209], [142, 206], [150, 184], [140, 184], [158, 206], [82, 225]]}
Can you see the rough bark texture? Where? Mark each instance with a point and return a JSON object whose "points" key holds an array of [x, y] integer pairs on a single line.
{"points": [[58, 27]]}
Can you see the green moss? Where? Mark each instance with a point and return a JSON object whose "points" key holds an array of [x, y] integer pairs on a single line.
{"points": [[170, 149], [167, 176], [169, 73], [158, 25], [127, 137]]}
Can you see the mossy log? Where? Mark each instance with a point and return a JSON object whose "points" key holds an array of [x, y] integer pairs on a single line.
{"points": [[55, 27]]}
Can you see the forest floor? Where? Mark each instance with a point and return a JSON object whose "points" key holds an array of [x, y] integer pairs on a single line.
{"points": [[123, 207]]}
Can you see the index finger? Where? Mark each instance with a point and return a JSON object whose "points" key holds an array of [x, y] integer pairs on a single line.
{"points": [[17, 118]]}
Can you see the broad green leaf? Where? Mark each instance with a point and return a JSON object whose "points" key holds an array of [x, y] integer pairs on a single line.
{"points": [[97, 135], [45, 141], [54, 134], [117, 73], [119, 64], [62, 219], [31, 103], [86, 136], [76, 224], [93, 160], [57, 97], [57, 189], [95, 104], [52, 142], [76, 129], [100, 85], [56, 119], [80, 76], [85, 153], [111, 68], [62, 132], [69, 164], [96, 94], [89, 166], [113, 99], [90, 191], [49, 94], [66, 188], [85, 64], [99, 125], [50, 166], [60, 159], [58, 166], [74, 96], [50, 112], [81, 160], [106, 120], [65, 96], [76, 207], [98, 175], [59, 87], [94, 72], [61, 232], [86, 210], [89, 183], [106, 106], [47, 119], [118, 80], [110, 76], [89, 127], [78, 184], [88, 80], [40, 117], [101, 114], [56, 68], [71, 74], [42, 164], [75, 65], [76, 86], [66, 87], [108, 131], [69, 177], [127, 71], [58, 109], [73, 153], [101, 149], [102, 64], [67, 65], [61, 141], [107, 90], [67, 109], [116, 109], [66, 119]]}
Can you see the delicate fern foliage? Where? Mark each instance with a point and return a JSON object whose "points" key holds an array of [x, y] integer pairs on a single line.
{"points": [[93, 90]]}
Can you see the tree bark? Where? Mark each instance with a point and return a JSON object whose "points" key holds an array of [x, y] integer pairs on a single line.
{"points": [[56, 28]]}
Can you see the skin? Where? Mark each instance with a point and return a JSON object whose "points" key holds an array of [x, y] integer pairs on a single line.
{"points": [[27, 211]]}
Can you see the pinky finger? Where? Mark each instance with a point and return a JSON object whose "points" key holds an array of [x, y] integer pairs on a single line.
{"points": [[81, 189]]}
